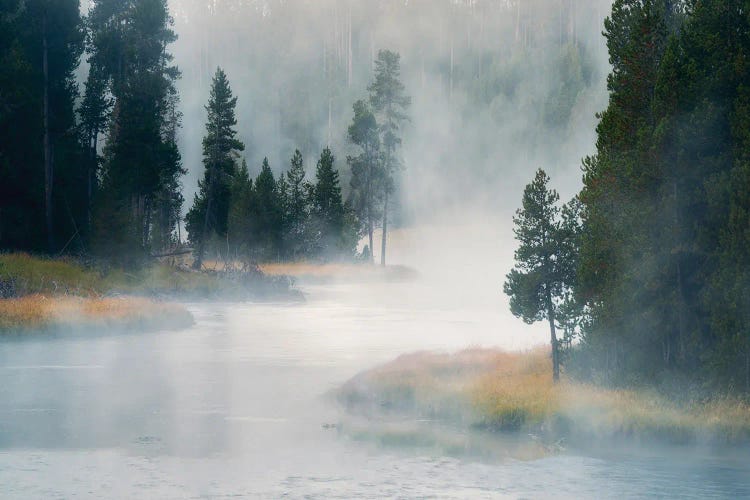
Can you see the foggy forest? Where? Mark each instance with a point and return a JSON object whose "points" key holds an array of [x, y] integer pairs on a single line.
{"points": [[374, 248]]}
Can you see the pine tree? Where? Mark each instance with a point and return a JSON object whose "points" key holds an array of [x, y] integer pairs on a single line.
{"points": [[389, 101], [240, 224], [128, 49], [542, 277], [268, 213], [297, 209], [367, 172], [40, 157], [328, 207], [221, 147]]}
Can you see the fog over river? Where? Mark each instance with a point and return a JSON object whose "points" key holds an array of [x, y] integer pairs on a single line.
{"points": [[235, 406]]}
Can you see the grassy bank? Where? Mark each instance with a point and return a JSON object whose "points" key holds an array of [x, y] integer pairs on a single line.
{"points": [[23, 274], [40, 294], [66, 314], [513, 392]]}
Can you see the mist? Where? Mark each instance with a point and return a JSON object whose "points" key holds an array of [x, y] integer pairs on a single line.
{"points": [[498, 88], [283, 362]]}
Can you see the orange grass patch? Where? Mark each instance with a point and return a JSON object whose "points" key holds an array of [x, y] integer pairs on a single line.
{"points": [[41, 313], [514, 391]]}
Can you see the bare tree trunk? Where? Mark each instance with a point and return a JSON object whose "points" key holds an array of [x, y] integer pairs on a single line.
{"points": [[450, 88], [91, 178], [369, 212], [48, 167], [349, 50], [330, 120], [384, 236], [198, 262], [553, 337]]}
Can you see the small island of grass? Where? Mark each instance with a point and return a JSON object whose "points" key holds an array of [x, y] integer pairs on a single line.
{"points": [[514, 392]]}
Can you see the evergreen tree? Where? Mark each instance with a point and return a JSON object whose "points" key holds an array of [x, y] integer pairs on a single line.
{"points": [[40, 167], [297, 208], [543, 277], [367, 172], [328, 207], [129, 46], [268, 213], [389, 100], [240, 229], [208, 215]]}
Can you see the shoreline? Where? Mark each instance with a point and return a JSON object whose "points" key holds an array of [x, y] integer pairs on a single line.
{"points": [[36, 315], [513, 394]]}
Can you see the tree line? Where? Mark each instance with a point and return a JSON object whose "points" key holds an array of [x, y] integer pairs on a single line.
{"points": [[95, 169], [646, 272], [288, 218]]}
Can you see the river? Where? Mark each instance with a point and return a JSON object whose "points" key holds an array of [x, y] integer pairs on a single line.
{"points": [[236, 406]]}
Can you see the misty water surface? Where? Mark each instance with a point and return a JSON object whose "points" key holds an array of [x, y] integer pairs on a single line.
{"points": [[236, 406]]}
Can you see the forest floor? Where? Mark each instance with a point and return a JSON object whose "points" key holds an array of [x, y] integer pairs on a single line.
{"points": [[514, 393]]}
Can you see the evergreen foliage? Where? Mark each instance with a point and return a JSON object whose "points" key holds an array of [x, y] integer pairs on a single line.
{"points": [[390, 103], [208, 215], [544, 275]]}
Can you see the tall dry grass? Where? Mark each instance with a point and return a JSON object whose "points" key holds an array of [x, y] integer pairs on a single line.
{"points": [[34, 313], [514, 392]]}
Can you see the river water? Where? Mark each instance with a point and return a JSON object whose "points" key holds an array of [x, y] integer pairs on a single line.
{"points": [[237, 406]]}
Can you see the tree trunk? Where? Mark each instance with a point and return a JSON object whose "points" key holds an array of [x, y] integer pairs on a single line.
{"points": [[553, 338], [48, 169], [384, 236], [198, 262], [91, 178]]}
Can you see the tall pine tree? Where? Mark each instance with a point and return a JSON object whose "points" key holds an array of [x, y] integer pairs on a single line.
{"points": [[208, 215]]}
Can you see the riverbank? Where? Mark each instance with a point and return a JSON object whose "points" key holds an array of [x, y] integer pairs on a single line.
{"points": [[39, 294], [22, 274], [513, 393], [34, 314]]}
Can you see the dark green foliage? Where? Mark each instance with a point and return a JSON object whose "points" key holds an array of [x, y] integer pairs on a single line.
{"points": [[331, 235], [297, 209], [390, 103], [268, 214], [240, 227], [664, 252], [367, 170], [208, 215], [28, 30], [139, 187], [542, 281]]}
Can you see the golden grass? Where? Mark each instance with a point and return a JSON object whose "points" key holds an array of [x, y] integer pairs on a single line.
{"points": [[338, 271], [514, 391], [38, 312]]}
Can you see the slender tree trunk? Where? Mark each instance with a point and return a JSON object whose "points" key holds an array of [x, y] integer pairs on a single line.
{"points": [[553, 337], [90, 178], [369, 205], [48, 168], [384, 237], [198, 262], [450, 85]]}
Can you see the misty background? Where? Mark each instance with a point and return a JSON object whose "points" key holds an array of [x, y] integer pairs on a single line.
{"points": [[499, 88]]}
